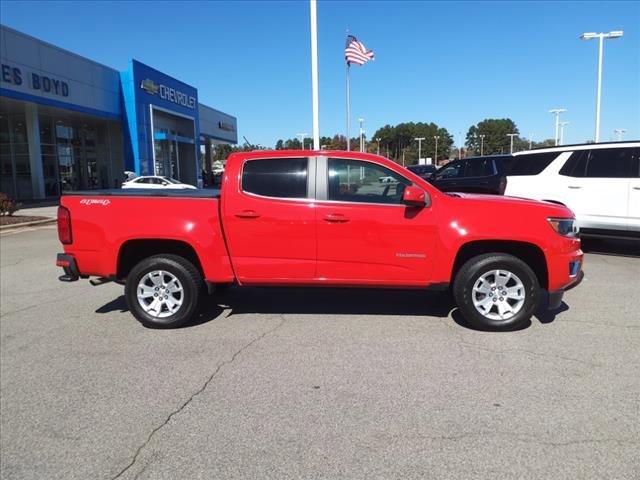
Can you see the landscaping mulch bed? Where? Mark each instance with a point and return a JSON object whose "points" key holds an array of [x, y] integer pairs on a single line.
{"points": [[17, 219]]}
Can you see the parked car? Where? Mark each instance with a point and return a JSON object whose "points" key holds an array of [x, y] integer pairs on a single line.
{"points": [[386, 179], [156, 182], [473, 175], [423, 171], [600, 183], [293, 218]]}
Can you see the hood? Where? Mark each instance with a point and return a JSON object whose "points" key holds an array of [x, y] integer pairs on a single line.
{"points": [[552, 209]]}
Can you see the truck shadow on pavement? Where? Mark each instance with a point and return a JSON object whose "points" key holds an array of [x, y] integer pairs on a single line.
{"points": [[330, 301]]}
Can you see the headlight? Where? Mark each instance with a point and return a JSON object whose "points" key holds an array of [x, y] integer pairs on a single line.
{"points": [[564, 226]]}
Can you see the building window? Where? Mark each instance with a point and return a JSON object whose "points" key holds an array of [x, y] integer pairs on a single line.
{"points": [[15, 171]]}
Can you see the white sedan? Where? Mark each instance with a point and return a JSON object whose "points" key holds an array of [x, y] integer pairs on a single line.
{"points": [[387, 179], [156, 182]]}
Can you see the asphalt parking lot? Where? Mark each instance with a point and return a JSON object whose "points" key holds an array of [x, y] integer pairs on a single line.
{"points": [[293, 383]]}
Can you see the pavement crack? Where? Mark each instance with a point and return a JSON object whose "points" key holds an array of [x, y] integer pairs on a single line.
{"points": [[193, 395]]}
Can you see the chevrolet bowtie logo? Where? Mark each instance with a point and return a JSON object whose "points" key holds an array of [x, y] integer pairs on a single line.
{"points": [[150, 86]]}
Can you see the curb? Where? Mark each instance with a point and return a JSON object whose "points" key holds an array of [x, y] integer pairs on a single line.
{"points": [[27, 224]]}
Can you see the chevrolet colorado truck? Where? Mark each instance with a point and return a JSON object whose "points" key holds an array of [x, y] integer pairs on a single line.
{"points": [[320, 218]]}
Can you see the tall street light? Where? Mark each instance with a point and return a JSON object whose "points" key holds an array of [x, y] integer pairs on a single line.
{"points": [[378, 142], [530, 140], [419, 139], [562, 125], [557, 112], [511, 135], [481, 145], [600, 37], [620, 132], [460, 146], [435, 157], [361, 121], [302, 137], [313, 17]]}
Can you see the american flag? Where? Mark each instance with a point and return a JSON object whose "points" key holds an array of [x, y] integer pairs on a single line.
{"points": [[356, 52]]}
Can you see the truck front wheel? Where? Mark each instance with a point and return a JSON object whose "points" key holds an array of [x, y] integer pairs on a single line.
{"points": [[163, 291], [496, 291]]}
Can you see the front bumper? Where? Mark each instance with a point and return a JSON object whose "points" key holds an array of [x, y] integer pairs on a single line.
{"points": [[555, 298], [68, 263]]}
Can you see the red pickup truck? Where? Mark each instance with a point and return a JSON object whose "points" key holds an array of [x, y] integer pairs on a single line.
{"points": [[327, 218]]}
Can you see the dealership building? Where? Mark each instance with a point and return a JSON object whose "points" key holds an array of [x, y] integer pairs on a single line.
{"points": [[69, 123]]}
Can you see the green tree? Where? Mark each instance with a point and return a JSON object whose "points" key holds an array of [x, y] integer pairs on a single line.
{"points": [[399, 139], [496, 139]]}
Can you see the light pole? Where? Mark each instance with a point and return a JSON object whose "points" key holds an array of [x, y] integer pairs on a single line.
{"points": [[302, 137], [361, 121], [313, 17], [460, 146], [435, 157], [620, 132], [530, 140], [557, 112], [562, 125], [511, 135], [378, 141], [481, 145], [419, 139], [600, 37]]}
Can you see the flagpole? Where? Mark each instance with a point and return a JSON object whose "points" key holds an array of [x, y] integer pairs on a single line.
{"points": [[348, 110], [314, 73]]}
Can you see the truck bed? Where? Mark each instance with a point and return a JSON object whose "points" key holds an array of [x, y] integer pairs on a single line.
{"points": [[107, 222]]}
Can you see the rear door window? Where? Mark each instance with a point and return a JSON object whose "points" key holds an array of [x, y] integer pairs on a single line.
{"points": [[576, 165], [530, 164], [281, 178]]}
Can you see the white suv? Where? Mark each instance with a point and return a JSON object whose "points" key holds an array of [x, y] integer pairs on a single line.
{"points": [[599, 182]]}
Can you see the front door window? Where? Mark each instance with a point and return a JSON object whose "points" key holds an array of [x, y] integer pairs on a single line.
{"points": [[364, 182]]}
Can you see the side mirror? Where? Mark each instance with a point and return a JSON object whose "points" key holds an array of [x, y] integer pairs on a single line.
{"points": [[415, 197], [165, 183]]}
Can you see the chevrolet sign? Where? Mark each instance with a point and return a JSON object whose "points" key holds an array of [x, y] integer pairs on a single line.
{"points": [[229, 127], [169, 94]]}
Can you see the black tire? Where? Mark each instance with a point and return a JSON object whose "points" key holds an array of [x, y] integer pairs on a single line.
{"points": [[184, 271], [474, 269]]}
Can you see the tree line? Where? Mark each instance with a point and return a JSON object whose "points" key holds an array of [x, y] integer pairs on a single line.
{"points": [[398, 142]]}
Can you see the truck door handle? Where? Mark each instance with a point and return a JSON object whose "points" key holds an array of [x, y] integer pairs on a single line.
{"points": [[574, 187], [636, 188], [247, 214], [336, 218]]}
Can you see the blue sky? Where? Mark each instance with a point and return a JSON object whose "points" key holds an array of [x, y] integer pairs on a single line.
{"points": [[453, 63]]}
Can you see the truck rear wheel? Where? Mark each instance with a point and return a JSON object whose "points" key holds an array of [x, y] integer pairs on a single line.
{"points": [[163, 291], [496, 291]]}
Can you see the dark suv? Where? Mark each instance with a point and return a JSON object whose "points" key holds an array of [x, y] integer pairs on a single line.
{"points": [[423, 171], [473, 175]]}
